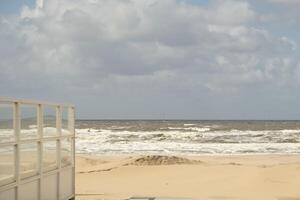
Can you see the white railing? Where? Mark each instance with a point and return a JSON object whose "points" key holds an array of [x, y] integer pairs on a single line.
{"points": [[37, 150]]}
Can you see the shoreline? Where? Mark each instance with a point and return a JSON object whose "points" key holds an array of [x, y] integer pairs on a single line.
{"points": [[196, 155]]}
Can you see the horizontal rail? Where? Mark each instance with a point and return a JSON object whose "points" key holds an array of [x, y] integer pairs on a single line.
{"points": [[34, 178], [45, 139], [32, 102]]}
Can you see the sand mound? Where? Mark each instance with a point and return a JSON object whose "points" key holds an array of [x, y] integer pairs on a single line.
{"points": [[163, 160]]}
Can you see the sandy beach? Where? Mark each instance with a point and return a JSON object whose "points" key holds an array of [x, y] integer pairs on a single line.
{"points": [[245, 177]]}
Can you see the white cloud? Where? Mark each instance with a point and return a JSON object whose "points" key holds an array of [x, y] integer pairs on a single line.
{"points": [[230, 12], [147, 45], [286, 2]]}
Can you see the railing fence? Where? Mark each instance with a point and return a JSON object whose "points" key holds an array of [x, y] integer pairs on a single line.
{"points": [[37, 150]]}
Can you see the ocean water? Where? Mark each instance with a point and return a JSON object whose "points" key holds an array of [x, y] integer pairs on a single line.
{"points": [[187, 137]]}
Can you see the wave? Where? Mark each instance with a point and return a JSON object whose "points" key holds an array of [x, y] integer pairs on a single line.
{"points": [[194, 129], [189, 124], [186, 148], [233, 136], [176, 141]]}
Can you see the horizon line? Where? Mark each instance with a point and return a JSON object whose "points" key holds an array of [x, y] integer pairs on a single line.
{"points": [[159, 119]]}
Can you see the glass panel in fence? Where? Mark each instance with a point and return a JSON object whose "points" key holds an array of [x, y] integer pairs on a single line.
{"points": [[6, 123], [6, 165], [50, 121], [65, 121], [28, 159], [28, 122], [49, 155], [66, 153]]}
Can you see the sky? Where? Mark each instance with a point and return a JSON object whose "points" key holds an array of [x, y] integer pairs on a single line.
{"points": [[155, 59]]}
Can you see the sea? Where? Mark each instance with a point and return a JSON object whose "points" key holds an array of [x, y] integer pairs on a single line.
{"points": [[187, 137]]}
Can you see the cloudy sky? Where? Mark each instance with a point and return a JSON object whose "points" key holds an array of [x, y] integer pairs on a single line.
{"points": [[176, 59]]}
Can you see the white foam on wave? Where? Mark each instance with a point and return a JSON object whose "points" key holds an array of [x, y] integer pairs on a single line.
{"points": [[290, 131], [91, 140], [204, 129], [33, 126], [185, 148], [189, 124], [176, 141], [190, 135], [113, 136], [254, 133], [196, 129]]}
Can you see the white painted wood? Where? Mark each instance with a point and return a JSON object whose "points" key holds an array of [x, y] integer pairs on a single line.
{"points": [[49, 189], [58, 151], [71, 122], [32, 102], [29, 191], [66, 188], [17, 127], [40, 123], [60, 178], [34, 178], [8, 194], [54, 138]]}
